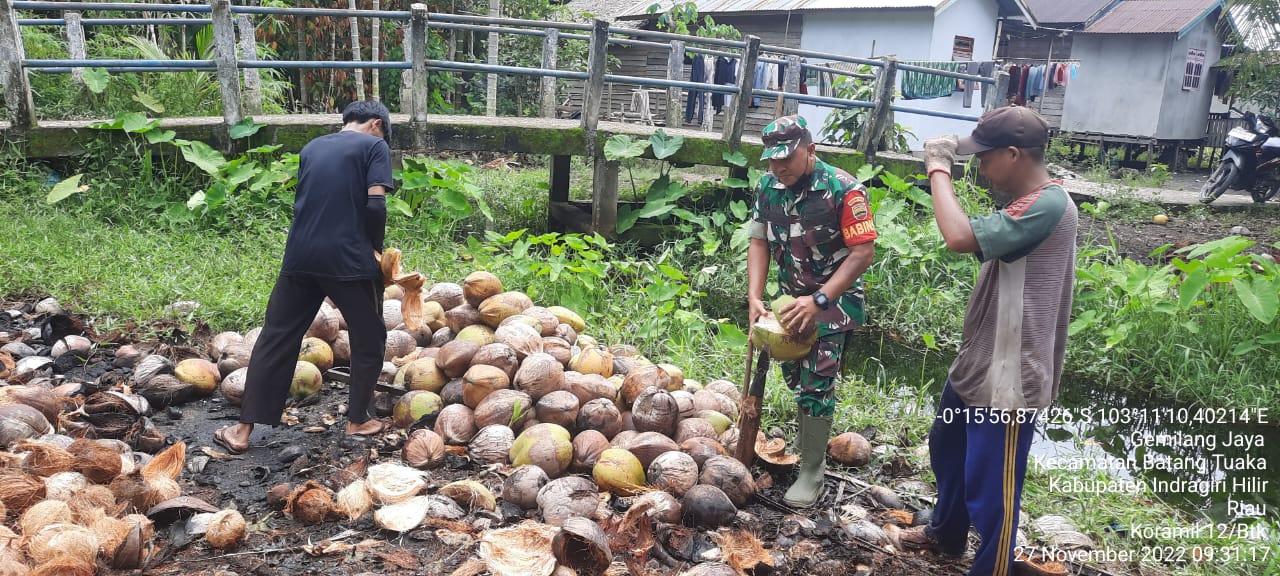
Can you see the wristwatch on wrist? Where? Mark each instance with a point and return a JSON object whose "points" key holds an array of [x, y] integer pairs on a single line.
{"points": [[821, 300]]}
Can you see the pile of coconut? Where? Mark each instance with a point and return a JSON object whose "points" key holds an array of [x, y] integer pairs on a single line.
{"points": [[565, 423]]}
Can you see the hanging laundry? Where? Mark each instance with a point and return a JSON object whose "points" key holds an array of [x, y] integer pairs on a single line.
{"points": [[1021, 98], [924, 86], [1015, 80], [760, 82], [693, 102], [726, 74]]}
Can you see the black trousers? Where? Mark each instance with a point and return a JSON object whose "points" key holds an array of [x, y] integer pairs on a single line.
{"points": [[293, 305]]}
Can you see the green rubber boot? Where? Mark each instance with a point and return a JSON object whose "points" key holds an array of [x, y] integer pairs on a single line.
{"points": [[814, 433]]}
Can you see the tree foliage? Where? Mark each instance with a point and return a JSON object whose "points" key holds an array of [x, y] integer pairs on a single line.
{"points": [[1257, 69]]}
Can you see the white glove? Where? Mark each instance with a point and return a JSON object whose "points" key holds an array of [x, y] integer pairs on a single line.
{"points": [[940, 153]]}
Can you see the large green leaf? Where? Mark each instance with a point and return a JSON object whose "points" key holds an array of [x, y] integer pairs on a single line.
{"points": [[735, 158], [159, 136], [96, 79], [621, 147], [738, 183], [396, 205], [65, 188], [149, 101], [627, 219], [1260, 297], [455, 200], [244, 128], [665, 146], [730, 335], [203, 156], [653, 210], [136, 123], [1191, 288]]}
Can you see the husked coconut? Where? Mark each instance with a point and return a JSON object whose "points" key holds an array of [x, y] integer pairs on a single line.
{"points": [[233, 386], [326, 324], [479, 286], [392, 313], [587, 447], [481, 380], [455, 424], [568, 334], [199, 373], [521, 338], [452, 392], [495, 309], [676, 374], [460, 317], [649, 445], [540, 374], [423, 449], [708, 507], [78, 345], [480, 334], [562, 498], [588, 387], [702, 449], [684, 401], [508, 407], [600, 414], [455, 357], [522, 486], [342, 349], [730, 476], [234, 357], [559, 407], [441, 337], [399, 343], [592, 360], [317, 351], [547, 321], [655, 410], [499, 356], [674, 472], [619, 471], [567, 316], [492, 444], [421, 374], [694, 428], [558, 348], [150, 367], [850, 449], [725, 387], [447, 294], [643, 377]]}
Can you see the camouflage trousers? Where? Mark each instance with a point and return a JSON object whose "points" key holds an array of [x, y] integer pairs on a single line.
{"points": [[813, 378]]}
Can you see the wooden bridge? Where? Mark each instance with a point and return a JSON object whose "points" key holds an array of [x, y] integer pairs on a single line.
{"points": [[415, 130]]}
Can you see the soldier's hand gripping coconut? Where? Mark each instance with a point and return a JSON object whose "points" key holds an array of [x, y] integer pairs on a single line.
{"points": [[813, 221]]}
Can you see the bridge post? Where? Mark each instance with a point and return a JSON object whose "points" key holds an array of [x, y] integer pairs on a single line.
{"points": [[75, 43], [224, 54], [604, 178], [736, 118], [491, 80], [421, 90], [879, 118], [593, 92], [791, 85], [550, 49], [252, 76], [675, 71], [13, 77], [355, 50]]}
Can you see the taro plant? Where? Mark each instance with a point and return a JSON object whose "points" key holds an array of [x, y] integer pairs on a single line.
{"points": [[844, 126], [440, 192]]}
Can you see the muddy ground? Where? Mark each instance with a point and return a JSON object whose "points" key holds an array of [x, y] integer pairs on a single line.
{"points": [[1137, 236]]}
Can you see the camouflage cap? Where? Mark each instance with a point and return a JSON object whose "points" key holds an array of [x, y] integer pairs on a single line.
{"points": [[782, 136]]}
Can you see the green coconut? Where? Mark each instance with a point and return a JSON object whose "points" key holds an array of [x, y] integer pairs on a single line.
{"points": [[546, 446], [783, 345], [306, 380], [619, 472], [421, 374], [318, 352], [415, 405]]}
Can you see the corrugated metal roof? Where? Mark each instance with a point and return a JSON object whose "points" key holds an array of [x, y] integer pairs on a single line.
{"points": [[1154, 16], [1065, 11]]}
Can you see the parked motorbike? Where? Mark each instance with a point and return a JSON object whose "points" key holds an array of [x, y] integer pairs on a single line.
{"points": [[1252, 161]]}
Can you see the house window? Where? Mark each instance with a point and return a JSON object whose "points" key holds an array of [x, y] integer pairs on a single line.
{"points": [[1194, 71]]}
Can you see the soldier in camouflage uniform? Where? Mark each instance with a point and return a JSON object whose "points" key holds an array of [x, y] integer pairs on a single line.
{"points": [[813, 221]]}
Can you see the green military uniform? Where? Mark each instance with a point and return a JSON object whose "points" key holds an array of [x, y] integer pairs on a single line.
{"points": [[810, 230]]}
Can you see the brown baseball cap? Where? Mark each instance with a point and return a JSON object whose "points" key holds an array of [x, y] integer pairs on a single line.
{"points": [[1014, 126]]}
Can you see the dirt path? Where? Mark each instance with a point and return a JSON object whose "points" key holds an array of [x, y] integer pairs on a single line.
{"points": [[1182, 190]]}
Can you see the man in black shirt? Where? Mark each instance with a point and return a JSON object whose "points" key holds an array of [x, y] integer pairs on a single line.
{"points": [[339, 221]]}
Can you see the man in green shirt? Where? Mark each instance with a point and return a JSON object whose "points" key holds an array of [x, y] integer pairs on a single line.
{"points": [[1015, 334], [813, 220]]}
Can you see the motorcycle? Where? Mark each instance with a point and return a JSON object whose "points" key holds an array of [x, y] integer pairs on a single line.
{"points": [[1252, 161]]}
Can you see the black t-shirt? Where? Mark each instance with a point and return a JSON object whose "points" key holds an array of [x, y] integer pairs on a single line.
{"points": [[328, 235]]}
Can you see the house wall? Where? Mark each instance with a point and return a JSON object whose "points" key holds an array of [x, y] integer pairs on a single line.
{"points": [[900, 32], [1118, 96], [773, 30], [1185, 114]]}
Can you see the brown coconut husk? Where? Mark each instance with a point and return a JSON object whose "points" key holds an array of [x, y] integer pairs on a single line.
{"points": [[43, 514], [411, 310], [12, 562], [98, 463], [141, 493], [111, 532], [64, 566], [19, 491], [168, 463], [743, 551], [133, 550], [45, 459], [91, 498], [6, 365], [63, 539], [310, 503]]}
